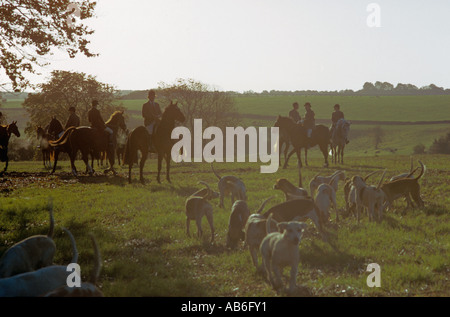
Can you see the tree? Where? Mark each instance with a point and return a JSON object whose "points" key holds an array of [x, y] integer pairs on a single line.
{"points": [[29, 30], [66, 89], [441, 145], [199, 101]]}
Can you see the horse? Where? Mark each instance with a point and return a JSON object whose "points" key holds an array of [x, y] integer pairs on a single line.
{"points": [[54, 129], [299, 139], [91, 141], [139, 140], [47, 151], [338, 140], [283, 140], [5, 133]]}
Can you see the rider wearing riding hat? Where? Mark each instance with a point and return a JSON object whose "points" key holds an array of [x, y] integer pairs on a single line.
{"points": [[293, 114], [309, 121], [151, 113], [96, 120], [74, 120], [335, 117]]}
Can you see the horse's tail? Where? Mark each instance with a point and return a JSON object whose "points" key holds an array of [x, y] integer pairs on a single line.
{"points": [[63, 139]]}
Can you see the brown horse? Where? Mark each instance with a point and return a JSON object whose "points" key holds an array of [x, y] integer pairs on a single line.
{"points": [[299, 138], [139, 140], [5, 134], [90, 141]]}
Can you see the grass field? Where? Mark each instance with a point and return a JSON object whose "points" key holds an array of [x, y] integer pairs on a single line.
{"points": [[384, 108], [141, 231]]}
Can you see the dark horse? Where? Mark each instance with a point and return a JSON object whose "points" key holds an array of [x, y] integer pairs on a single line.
{"points": [[5, 134], [50, 133], [139, 140], [88, 141], [299, 138]]}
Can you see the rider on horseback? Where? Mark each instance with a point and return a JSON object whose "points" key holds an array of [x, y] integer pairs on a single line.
{"points": [[151, 113], [96, 120], [74, 120], [293, 114], [309, 122], [335, 117]]}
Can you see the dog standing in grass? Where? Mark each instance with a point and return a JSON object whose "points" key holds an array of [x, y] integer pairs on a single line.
{"points": [[280, 249], [198, 207]]}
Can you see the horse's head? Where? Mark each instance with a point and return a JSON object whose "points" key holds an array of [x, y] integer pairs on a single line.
{"points": [[55, 127], [12, 129], [284, 122], [40, 132], [173, 112], [117, 119], [345, 127]]}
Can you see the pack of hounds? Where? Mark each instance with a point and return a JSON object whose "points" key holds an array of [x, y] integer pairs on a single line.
{"points": [[27, 269]]}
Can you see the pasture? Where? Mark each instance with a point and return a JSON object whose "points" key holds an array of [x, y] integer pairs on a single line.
{"points": [[145, 251]]}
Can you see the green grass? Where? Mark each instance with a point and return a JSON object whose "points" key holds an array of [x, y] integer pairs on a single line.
{"points": [[141, 231]]}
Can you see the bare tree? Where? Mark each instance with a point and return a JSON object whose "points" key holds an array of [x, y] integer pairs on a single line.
{"points": [[200, 101]]}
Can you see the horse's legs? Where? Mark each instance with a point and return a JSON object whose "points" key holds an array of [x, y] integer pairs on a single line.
{"points": [[142, 163], [167, 157], [72, 162], [306, 155], [56, 161], [342, 154], [324, 149], [289, 156], [85, 157], [159, 167]]}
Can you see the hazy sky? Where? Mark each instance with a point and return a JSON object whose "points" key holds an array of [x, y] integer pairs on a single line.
{"points": [[267, 44]]}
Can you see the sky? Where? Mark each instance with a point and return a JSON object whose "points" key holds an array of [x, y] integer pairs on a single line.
{"points": [[258, 45]]}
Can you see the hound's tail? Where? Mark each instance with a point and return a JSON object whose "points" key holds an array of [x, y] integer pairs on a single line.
{"points": [[74, 246], [263, 204], [98, 261], [424, 168], [381, 180], [52, 220], [215, 173]]}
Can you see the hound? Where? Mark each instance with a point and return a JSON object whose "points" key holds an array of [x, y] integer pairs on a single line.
{"points": [[297, 209], [404, 187], [325, 199], [280, 249], [196, 208], [87, 289], [317, 180], [238, 219], [349, 193], [40, 282], [255, 231], [290, 191], [30, 254], [369, 197], [206, 193], [230, 185]]}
